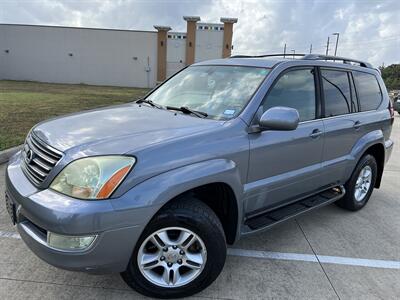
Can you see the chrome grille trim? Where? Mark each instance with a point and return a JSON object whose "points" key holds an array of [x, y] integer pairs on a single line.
{"points": [[38, 159]]}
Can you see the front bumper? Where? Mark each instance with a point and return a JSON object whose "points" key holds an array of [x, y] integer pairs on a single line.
{"points": [[39, 211]]}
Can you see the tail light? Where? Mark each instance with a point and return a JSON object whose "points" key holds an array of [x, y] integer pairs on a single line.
{"points": [[391, 110]]}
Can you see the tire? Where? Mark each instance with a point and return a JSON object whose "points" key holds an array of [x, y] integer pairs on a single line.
{"points": [[186, 215], [351, 200]]}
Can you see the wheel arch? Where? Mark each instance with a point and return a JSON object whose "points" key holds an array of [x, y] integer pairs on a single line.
{"points": [[378, 152], [216, 182], [371, 143], [219, 196]]}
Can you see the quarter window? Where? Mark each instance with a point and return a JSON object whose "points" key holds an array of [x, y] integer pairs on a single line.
{"points": [[369, 93], [295, 89]]}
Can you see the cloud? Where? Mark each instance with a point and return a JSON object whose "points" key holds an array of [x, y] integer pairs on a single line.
{"points": [[368, 29]]}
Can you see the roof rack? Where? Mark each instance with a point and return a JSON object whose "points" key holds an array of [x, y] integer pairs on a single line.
{"points": [[311, 57], [267, 55], [334, 58]]}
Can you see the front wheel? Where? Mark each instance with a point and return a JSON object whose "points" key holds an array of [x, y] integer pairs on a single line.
{"points": [[180, 252], [360, 185]]}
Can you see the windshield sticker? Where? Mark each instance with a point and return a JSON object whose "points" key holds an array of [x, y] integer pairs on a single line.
{"points": [[229, 112], [211, 83]]}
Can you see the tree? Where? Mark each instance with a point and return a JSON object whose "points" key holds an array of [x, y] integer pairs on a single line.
{"points": [[391, 76]]}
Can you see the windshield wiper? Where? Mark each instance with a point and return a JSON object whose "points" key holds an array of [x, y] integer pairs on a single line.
{"points": [[187, 110], [150, 102]]}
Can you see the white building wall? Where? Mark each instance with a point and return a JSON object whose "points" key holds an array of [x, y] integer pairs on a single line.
{"points": [[176, 52], [99, 57], [209, 40]]}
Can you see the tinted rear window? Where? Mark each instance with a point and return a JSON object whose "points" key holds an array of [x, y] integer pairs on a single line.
{"points": [[337, 93], [369, 93]]}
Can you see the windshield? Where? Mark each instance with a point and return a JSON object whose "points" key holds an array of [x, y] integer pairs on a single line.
{"points": [[219, 91]]}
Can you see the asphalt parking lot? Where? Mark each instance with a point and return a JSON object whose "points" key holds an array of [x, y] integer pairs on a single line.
{"points": [[327, 254]]}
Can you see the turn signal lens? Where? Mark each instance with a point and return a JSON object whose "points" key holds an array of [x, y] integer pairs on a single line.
{"points": [[112, 183]]}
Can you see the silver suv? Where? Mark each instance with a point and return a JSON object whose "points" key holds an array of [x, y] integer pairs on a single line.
{"points": [[157, 188]]}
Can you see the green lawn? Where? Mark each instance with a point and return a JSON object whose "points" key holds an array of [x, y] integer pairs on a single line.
{"points": [[25, 103]]}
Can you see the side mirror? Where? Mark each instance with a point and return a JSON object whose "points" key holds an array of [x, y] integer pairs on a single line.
{"points": [[279, 118]]}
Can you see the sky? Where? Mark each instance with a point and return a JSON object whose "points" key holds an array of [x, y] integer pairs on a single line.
{"points": [[369, 29]]}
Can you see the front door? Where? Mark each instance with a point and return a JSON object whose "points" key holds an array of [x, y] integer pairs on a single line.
{"points": [[284, 165]]}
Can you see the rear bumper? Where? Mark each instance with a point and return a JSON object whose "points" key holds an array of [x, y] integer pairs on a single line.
{"points": [[40, 211], [388, 149]]}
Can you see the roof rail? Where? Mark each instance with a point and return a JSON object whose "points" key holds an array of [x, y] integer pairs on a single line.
{"points": [[334, 58], [310, 57], [267, 55]]}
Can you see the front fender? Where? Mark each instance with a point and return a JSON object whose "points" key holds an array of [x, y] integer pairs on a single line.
{"points": [[155, 192]]}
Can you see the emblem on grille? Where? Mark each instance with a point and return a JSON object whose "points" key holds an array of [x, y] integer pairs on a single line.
{"points": [[29, 156]]}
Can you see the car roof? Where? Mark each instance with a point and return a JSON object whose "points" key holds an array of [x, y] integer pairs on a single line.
{"points": [[270, 61], [250, 62]]}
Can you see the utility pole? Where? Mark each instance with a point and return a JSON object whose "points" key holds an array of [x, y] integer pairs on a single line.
{"points": [[327, 47], [294, 52], [310, 48], [337, 41], [284, 51]]}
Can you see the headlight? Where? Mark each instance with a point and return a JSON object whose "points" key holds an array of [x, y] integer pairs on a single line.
{"points": [[93, 177]]}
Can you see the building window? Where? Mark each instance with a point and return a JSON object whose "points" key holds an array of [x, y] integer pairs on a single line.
{"points": [[206, 27], [169, 36]]}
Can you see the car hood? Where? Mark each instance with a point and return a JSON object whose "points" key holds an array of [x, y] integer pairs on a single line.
{"points": [[119, 129]]}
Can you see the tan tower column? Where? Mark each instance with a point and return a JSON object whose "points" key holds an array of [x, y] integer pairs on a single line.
{"points": [[228, 32], [190, 38], [162, 52]]}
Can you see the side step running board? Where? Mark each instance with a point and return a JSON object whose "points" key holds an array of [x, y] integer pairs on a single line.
{"points": [[284, 213]]}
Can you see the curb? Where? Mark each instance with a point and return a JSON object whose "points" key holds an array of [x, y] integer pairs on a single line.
{"points": [[6, 154]]}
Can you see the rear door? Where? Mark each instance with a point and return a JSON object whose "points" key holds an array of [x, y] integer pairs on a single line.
{"points": [[341, 122], [286, 164]]}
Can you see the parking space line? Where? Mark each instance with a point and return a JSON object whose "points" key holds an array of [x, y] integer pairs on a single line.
{"points": [[272, 255], [338, 260], [360, 262], [13, 235]]}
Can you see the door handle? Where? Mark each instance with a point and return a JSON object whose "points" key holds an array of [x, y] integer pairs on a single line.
{"points": [[357, 125], [315, 133]]}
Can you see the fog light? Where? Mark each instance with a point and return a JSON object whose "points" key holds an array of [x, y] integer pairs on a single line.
{"points": [[65, 242]]}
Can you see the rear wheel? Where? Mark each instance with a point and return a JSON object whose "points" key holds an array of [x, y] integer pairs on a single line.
{"points": [[360, 185], [180, 252]]}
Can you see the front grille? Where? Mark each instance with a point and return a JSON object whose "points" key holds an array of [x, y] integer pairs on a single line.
{"points": [[39, 159]]}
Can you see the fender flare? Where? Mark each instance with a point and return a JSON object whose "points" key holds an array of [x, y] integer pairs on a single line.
{"points": [[153, 193], [365, 142]]}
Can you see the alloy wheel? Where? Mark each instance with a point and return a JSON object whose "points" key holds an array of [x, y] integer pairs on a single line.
{"points": [[172, 257], [363, 183]]}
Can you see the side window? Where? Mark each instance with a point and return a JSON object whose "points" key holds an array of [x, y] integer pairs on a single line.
{"points": [[337, 93], [294, 89], [369, 93]]}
